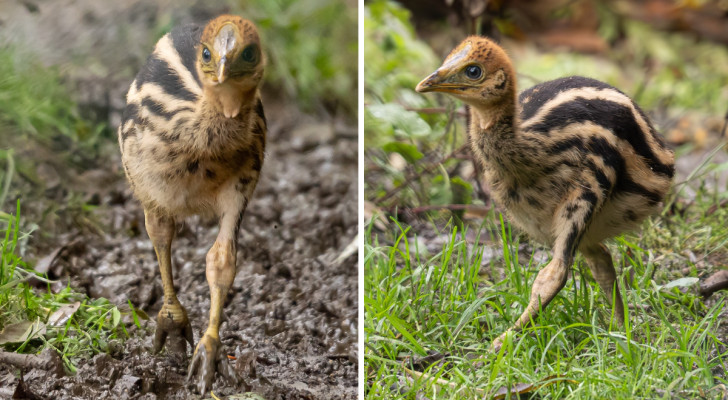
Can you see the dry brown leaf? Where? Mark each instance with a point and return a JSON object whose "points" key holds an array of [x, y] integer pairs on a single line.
{"points": [[60, 316], [372, 211], [22, 331]]}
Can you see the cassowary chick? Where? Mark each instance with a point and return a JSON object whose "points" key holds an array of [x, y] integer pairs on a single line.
{"points": [[574, 161], [192, 141]]}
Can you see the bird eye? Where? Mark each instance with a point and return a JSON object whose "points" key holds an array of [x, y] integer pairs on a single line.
{"points": [[206, 56], [473, 72], [249, 54]]}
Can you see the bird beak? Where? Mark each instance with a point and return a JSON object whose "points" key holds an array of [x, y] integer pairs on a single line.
{"points": [[430, 84], [442, 79], [222, 70], [439, 81]]}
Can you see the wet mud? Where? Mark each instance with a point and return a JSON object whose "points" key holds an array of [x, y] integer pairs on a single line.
{"points": [[290, 316]]}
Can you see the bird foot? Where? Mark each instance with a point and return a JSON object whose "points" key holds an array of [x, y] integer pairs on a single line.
{"points": [[172, 322], [207, 360]]}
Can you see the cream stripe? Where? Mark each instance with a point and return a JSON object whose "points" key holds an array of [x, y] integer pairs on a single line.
{"points": [[590, 93], [157, 93], [635, 165], [165, 50]]}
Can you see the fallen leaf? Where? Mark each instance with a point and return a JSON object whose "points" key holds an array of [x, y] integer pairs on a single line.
{"points": [[350, 249], [62, 314], [681, 282], [22, 331]]}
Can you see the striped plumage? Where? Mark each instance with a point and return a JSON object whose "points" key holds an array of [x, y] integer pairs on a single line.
{"points": [[192, 141], [574, 161]]}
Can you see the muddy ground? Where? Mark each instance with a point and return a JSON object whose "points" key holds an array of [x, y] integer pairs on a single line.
{"points": [[291, 315]]}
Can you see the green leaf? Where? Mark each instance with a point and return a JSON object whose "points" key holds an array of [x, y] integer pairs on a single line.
{"points": [[405, 123], [406, 150], [115, 317], [682, 282]]}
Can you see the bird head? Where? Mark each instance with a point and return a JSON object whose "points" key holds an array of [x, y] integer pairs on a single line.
{"points": [[230, 53], [477, 71]]}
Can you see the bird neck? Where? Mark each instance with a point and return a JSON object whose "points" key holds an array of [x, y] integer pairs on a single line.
{"points": [[497, 142], [495, 121], [228, 99]]}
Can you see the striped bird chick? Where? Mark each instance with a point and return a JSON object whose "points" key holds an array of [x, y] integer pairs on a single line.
{"points": [[574, 161], [192, 141]]}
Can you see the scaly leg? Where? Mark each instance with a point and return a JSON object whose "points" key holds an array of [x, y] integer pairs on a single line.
{"points": [[600, 262], [570, 221], [172, 318], [220, 272]]}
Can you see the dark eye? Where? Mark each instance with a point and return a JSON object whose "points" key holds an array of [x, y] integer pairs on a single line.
{"points": [[473, 72], [249, 54], [206, 56]]}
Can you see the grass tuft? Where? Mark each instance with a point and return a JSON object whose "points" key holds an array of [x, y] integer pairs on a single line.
{"points": [[455, 302], [95, 326]]}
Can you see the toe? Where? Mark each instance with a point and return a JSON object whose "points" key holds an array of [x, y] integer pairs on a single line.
{"points": [[202, 368], [160, 336]]}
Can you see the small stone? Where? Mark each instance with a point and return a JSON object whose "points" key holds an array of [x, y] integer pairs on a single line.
{"points": [[128, 385]]}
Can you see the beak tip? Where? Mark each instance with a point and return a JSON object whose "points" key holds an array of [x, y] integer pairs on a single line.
{"points": [[423, 86], [428, 84]]}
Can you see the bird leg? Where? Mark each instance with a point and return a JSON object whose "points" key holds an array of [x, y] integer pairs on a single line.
{"points": [[220, 271], [570, 222], [172, 318], [601, 266]]}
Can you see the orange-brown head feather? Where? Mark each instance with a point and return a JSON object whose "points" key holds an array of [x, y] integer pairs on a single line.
{"points": [[478, 72], [230, 61]]}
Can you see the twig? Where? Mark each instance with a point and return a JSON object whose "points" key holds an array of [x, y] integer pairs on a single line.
{"points": [[48, 360], [437, 110], [715, 282], [451, 207], [426, 170]]}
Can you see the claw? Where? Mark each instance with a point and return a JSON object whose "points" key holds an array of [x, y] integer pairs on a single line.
{"points": [[207, 360], [172, 319]]}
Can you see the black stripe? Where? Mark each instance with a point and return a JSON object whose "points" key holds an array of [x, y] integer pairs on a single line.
{"points": [[186, 40], [604, 183], [626, 185], [572, 241], [157, 108], [609, 154], [542, 93], [589, 197], [159, 72], [131, 113], [610, 115], [260, 112], [566, 144]]}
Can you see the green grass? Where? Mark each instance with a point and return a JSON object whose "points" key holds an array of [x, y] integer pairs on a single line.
{"points": [[453, 303], [35, 102], [96, 326], [321, 74]]}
